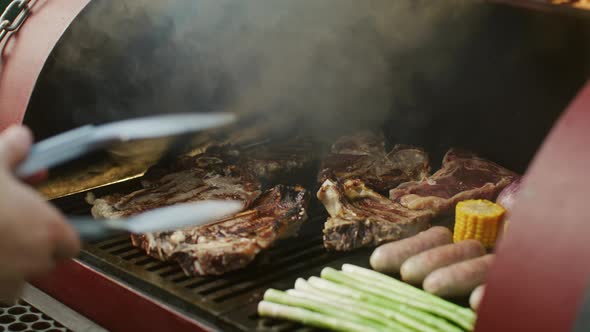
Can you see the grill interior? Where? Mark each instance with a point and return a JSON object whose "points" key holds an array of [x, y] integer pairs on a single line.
{"points": [[227, 301], [24, 317]]}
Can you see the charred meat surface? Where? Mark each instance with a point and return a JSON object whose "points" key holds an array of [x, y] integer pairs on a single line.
{"points": [[266, 161], [363, 156], [289, 160], [361, 217], [463, 176], [232, 243], [205, 176], [221, 172]]}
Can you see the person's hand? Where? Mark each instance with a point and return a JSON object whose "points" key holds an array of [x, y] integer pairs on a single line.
{"points": [[33, 234]]}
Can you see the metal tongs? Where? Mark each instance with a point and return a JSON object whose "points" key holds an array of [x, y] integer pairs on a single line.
{"points": [[80, 141], [159, 220]]}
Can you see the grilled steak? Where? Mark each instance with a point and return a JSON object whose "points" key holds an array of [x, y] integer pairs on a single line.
{"points": [[290, 160], [363, 156], [265, 161], [206, 176], [463, 176], [233, 243], [226, 172], [360, 217]]}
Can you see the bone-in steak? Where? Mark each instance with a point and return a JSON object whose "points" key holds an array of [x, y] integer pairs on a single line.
{"points": [[286, 161], [233, 243], [360, 217], [363, 156], [266, 161]]}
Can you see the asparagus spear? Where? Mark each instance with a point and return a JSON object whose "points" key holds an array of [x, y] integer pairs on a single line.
{"points": [[340, 277], [401, 287], [307, 317], [413, 318], [409, 291], [352, 307], [383, 302], [276, 296]]}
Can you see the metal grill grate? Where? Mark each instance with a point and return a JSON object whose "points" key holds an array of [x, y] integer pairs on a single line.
{"points": [[24, 317], [227, 301]]}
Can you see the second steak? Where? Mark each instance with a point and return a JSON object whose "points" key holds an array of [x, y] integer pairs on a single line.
{"points": [[363, 156]]}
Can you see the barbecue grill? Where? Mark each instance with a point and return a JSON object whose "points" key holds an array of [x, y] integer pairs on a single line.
{"points": [[515, 72]]}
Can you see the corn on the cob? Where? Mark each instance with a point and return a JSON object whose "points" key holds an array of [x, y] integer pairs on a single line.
{"points": [[479, 220]]}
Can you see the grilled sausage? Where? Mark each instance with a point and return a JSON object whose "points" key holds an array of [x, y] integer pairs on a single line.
{"points": [[416, 268], [458, 279], [476, 296], [389, 257]]}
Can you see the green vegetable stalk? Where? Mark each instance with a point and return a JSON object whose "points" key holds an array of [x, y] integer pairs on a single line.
{"points": [[276, 296], [383, 292], [386, 281], [383, 310], [352, 309], [386, 303], [358, 299], [308, 317]]}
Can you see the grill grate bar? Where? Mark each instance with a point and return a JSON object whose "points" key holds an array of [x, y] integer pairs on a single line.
{"points": [[136, 254], [294, 247], [115, 244], [211, 285], [192, 282], [123, 250], [246, 280], [171, 271], [277, 325], [232, 292], [144, 260], [174, 275], [160, 265], [182, 279], [201, 281]]}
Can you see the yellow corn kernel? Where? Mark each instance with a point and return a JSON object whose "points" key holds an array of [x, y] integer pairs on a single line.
{"points": [[479, 220]]}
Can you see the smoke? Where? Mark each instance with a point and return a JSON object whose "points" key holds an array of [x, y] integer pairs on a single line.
{"points": [[324, 67], [329, 64]]}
